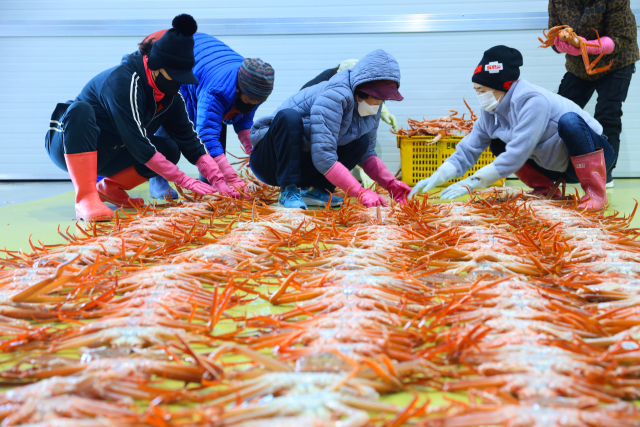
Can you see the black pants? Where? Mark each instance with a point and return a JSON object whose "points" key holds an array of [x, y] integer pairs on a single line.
{"points": [[612, 92], [279, 160], [223, 138], [74, 130]]}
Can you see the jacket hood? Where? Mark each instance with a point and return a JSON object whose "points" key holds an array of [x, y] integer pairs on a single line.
{"points": [[376, 65]]}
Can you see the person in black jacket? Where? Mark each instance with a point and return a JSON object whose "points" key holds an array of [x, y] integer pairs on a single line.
{"points": [[109, 128]]}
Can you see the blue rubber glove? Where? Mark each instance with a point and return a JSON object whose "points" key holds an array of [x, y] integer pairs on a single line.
{"points": [[446, 172], [481, 179]]}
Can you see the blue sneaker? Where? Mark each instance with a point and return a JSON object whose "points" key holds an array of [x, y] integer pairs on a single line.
{"points": [[290, 197], [158, 187], [315, 197]]}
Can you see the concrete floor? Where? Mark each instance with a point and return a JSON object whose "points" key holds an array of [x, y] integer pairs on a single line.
{"points": [[37, 208], [23, 192]]}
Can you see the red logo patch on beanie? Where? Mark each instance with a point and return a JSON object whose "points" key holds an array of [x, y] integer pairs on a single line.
{"points": [[493, 67], [478, 69], [507, 85]]}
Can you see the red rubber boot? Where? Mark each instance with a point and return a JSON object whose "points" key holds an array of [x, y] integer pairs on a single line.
{"points": [[532, 178], [83, 169], [592, 173], [112, 188]]}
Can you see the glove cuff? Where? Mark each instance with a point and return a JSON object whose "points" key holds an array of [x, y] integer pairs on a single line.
{"points": [[159, 164], [487, 175], [448, 172], [608, 46], [225, 167], [209, 169], [340, 176], [377, 170], [245, 140]]}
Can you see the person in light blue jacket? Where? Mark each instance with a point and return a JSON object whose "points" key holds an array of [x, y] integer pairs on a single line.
{"points": [[230, 90], [317, 135], [538, 135]]}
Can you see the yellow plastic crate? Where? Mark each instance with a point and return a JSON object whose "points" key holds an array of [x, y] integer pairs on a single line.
{"points": [[420, 157]]}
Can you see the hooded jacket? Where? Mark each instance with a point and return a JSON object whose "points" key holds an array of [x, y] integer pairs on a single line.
{"points": [[126, 112], [527, 122], [214, 96], [330, 112]]}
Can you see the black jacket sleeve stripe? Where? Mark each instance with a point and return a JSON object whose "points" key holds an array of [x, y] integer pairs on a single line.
{"points": [[133, 99], [182, 130]]}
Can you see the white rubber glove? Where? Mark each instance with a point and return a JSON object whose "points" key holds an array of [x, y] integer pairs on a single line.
{"points": [[481, 179], [444, 173], [389, 118]]}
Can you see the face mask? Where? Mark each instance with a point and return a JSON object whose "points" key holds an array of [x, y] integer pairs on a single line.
{"points": [[169, 87], [365, 109], [243, 107], [488, 101]]}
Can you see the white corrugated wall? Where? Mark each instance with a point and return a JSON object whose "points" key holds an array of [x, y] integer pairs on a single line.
{"points": [[38, 72]]}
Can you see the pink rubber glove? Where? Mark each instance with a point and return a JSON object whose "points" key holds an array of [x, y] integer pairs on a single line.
{"points": [[340, 176], [168, 170], [210, 170], [607, 46], [245, 140], [229, 173], [376, 169]]}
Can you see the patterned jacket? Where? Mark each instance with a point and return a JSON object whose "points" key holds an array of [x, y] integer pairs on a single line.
{"points": [[612, 18]]}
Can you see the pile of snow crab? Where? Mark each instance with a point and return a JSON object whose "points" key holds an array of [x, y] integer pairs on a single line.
{"points": [[450, 125], [218, 312]]}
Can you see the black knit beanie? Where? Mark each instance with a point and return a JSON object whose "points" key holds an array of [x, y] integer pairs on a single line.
{"points": [[174, 50], [499, 68]]}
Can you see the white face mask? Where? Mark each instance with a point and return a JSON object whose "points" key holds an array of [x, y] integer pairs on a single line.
{"points": [[488, 101], [365, 109]]}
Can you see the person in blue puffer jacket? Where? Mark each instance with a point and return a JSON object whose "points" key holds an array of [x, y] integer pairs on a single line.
{"points": [[229, 91], [317, 135]]}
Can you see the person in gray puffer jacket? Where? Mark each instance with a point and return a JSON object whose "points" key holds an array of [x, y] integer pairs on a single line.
{"points": [[317, 135], [538, 135]]}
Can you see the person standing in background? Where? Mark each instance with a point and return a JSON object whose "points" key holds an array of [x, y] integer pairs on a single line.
{"points": [[616, 25]]}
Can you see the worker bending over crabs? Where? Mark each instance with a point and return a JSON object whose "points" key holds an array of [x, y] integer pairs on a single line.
{"points": [[322, 132], [109, 129], [532, 132], [229, 91]]}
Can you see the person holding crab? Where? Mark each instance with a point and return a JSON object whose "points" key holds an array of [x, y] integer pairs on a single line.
{"points": [[613, 22]]}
